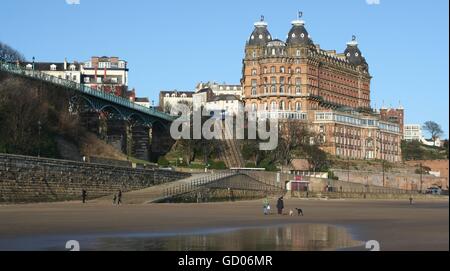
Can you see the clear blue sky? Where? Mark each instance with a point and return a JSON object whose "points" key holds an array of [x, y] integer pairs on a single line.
{"points": [[173, 44]]}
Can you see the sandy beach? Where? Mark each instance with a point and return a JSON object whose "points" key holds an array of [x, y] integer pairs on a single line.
{"points": [[395, 224]]}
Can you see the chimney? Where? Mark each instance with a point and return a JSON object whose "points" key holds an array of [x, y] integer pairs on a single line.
{"points": [[65, 63]]}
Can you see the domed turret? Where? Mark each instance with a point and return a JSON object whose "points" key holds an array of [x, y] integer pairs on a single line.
{"points": [[353, 54], [260, 35], [298, 34]]}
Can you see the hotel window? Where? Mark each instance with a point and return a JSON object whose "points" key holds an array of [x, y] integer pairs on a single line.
{"points": [[265, 69], [297, 70], [254, 72], [298, 106], [273, 81], [266, 106], [74, 78], [282, 105], [254, 83], [298, 84], [298, 53], [254, 106], [282, 70], [99, 80], [254, 53], [272, 69], [282, 84], [273, 52], [273, 106], [87, 79]]}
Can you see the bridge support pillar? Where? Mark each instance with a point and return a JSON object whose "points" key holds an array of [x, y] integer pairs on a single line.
{"points": [[90, 121], [117, 135], [162, 142], [140, 135]]}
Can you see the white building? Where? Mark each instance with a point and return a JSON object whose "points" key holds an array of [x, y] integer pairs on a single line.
{"points": [[221, 89], [62, 70], [167, 99], [412, 132], [225, 103]]}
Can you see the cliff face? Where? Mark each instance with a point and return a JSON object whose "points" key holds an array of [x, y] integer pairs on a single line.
{"points": [[35, 120]]}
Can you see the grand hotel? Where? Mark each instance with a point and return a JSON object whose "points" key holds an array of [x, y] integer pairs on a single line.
{"points": [[296, 79]]}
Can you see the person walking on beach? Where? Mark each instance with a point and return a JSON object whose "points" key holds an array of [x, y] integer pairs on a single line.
{"points": [[280, 206], [114, 199], [119, 197], [84, 195], [410, 200], [266, 206]]}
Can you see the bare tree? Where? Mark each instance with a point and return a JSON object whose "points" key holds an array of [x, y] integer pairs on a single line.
{"points": [[8, 54], [434, 129]]}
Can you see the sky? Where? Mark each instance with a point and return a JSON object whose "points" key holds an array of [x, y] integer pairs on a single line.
{"points": [[175, 44]]}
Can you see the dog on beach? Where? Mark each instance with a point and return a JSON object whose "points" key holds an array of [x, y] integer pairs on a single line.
{"points": [[299, 211], [291, 213]]}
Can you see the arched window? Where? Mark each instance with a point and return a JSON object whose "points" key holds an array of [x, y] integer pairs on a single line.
{"points": [[297, 70], [273, 51], [282, 70], [254, 72], [282, 105], [272, 69], [298, 106], [254, 107], [273, 105]]}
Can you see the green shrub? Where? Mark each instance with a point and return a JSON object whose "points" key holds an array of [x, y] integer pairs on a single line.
{"points": [[217, 165], [268, 165], [162, 161]]}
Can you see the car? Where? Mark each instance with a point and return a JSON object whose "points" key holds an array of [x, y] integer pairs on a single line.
{"points": [[433, 191]]}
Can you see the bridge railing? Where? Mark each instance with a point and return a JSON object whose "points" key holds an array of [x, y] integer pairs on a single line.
{"points": [[14, 68]]}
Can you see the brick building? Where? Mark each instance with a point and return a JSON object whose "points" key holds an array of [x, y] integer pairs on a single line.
{"points": [[296, 79]]}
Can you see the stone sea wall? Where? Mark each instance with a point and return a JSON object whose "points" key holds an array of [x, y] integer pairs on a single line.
{"points": [[29, 179]]}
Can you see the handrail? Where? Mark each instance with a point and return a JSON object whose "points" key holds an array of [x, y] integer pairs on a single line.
{"points": [[13, 68]]}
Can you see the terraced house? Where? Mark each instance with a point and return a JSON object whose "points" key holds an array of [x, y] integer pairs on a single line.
{"points": [[297, 80]]}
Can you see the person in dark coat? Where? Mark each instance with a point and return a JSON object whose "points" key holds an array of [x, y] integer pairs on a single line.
{"points": [[84, 195], [280, 205], [119, 197]]}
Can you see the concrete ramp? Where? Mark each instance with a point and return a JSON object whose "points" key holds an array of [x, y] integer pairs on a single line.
{"points": [[151, 194]]}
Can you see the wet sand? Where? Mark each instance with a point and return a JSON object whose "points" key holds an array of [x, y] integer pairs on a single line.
{"points": [[395, 224]]}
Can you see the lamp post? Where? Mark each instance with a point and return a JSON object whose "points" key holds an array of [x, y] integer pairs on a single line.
{"points": [[39, 137], [33, 62]]}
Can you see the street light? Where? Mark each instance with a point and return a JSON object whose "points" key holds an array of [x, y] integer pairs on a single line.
{"points": [[39, 137], [33, 62]]}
